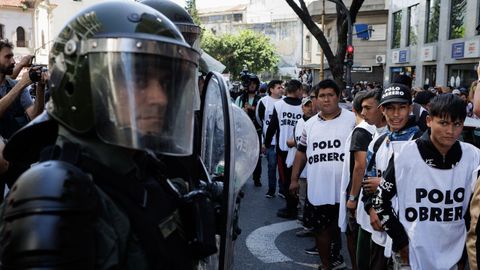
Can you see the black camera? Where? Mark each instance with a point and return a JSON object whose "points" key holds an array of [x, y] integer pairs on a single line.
{"points": [[35, 72]]}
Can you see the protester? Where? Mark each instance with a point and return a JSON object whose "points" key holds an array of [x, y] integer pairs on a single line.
{"points": [[396, 106], [286, 113], [320, 147], [432, 179], [354, 166], [264, 113], [372, 114]]}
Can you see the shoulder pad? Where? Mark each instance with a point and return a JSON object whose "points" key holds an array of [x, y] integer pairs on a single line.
{"points": [[51, 187], [25, 144]]}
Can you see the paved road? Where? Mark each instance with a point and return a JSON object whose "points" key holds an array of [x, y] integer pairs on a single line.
{"points": [[268, 242]]}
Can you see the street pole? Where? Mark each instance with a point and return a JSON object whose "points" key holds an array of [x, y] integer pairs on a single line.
{"points": [[322, 67], [348, 73]]}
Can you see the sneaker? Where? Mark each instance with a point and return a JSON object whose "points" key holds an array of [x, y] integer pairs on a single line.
{"points": [[270, 194], [311, 251], [285, 213], [337, 263], [305, 232], [281, 194]]}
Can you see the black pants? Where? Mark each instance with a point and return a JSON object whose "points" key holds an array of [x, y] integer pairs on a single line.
{"points": [[285, 176], [257, 173]]}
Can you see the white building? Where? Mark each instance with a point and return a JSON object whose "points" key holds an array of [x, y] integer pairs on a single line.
{"points": [[369, 55], [435, 41], [27, 25], [274, 18]]}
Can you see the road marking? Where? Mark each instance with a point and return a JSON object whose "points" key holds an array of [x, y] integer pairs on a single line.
{"points": [[261, 242]]}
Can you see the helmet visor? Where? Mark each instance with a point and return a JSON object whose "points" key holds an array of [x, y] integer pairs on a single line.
{"points": [[143, 101]]}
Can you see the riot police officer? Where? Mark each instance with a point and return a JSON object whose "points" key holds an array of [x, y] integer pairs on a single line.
{"points": [[121, 83]]}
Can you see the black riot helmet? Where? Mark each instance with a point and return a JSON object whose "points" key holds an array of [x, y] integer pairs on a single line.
{"points": [[180, 17], [121, 71]]}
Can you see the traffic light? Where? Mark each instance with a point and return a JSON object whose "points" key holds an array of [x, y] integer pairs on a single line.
{"points": [[349, 56]]}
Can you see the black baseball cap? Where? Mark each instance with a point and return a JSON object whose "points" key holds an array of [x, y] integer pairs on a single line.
{"points": [[396, 93]]}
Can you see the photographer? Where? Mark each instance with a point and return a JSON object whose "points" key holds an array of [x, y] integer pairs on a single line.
{"points": [[16, 105], [248, 102]]}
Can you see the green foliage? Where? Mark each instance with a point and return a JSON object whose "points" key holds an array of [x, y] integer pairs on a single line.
{"points": [[191, 7], [457, 17], [245, 48], [433, 21]]}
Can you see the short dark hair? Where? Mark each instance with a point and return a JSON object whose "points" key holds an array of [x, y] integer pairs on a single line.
{"points": [[376, 94], [292, 86], [4, 43], [357, 101], [328, 84], [404, 79], [448, 106], [272, 84]]}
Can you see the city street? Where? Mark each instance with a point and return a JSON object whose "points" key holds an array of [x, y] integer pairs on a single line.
{"points": [[267, 241]]}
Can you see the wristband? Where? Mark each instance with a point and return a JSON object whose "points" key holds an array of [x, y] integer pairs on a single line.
{"points": [[352, 198]]}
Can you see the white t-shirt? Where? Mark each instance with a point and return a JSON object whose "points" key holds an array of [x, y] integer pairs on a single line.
{"points": [[324, 141], [432, 203], [292, 151]]}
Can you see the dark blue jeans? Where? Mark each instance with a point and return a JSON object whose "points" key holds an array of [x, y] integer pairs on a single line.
{"points": [[272, 168]]}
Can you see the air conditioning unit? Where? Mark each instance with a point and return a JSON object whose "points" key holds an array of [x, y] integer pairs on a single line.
{"points": [[380, 59]]}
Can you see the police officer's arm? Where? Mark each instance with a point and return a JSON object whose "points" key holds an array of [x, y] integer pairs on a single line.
{"points": [[382, 205], [39, 103], [299, 162], [272, 128], [7, 100]]}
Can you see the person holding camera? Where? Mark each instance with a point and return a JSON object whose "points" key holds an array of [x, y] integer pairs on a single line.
{"points": [[16, 105], [248, 101]]}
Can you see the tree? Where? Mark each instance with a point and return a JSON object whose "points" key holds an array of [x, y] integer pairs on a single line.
{"points": [[245, 48], [191, 7], [335, 62]]}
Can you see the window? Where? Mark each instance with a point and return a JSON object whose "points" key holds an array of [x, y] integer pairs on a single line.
{"points": [[458, 11], [308, 45], [2, 27], [412, 25], [461, 75], [430, 75], [237, 17], [43, 40], [397, 29], [20, 37], [433, 17]]}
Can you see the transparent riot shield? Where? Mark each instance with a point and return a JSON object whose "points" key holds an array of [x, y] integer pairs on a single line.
{"points": [[229, 151]]}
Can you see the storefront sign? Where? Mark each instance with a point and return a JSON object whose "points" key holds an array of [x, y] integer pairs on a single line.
{"points": [[403, 56], [429, 53], [362, 69], [458, 50], [395, 57], [472, 48]]}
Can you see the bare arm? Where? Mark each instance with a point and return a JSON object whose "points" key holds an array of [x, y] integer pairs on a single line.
{"points": [[298, 165], [357, 176], [25, 62], [9, 98], [39, 104]]}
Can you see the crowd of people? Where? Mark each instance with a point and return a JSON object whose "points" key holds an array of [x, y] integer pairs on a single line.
{"points": [[397, 174]]}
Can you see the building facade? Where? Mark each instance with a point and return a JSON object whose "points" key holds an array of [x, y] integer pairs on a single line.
{"points": [[369, 39], [434, 41], [27, 25], [273, 18]]}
